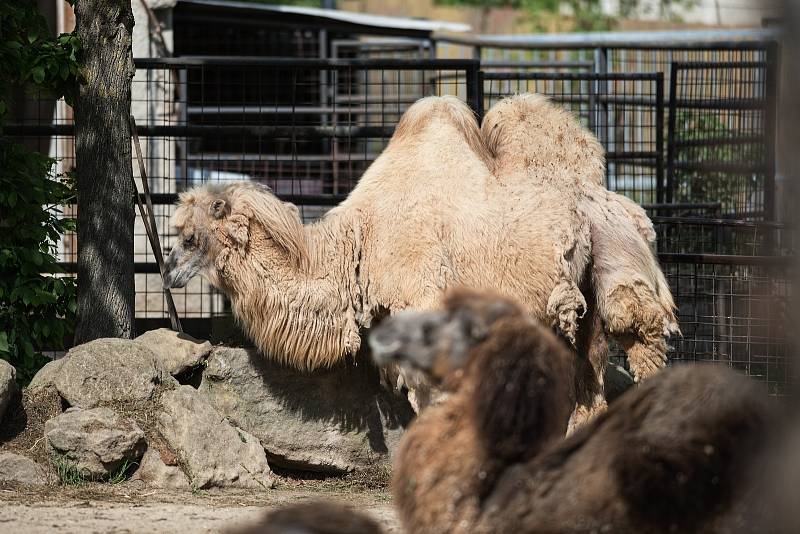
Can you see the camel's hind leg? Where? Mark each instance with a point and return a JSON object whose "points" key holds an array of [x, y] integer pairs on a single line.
{"points": [[592, 347], [637, 320]]}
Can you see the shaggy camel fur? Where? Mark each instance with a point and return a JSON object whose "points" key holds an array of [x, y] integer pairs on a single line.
{"points": [[315, 517], [669, 456], [428, 214], [535, 144]]}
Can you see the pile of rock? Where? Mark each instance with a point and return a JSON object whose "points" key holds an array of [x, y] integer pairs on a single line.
{"points": [[176, 412]]}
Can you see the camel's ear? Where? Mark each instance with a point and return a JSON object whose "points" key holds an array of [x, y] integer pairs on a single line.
{"points": [[217, 209], [238, 228]]}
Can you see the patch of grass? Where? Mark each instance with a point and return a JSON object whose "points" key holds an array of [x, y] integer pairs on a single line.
{"points": [[122, 472], [68, 472]]}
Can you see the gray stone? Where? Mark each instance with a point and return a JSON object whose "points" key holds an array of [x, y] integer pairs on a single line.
{"points": [[213, 452], [108, 370], [8, 385], [327, 421], [616, 381], [175, 352], [153, 471], [96, 441], [21, 469], [46, 376]]}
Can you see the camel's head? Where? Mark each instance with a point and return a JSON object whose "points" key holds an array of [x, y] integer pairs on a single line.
{"points": [[220, 224], [439, 342]]}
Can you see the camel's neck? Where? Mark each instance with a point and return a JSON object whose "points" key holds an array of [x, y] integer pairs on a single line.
{"points": [[529, 378], [305, 316]]}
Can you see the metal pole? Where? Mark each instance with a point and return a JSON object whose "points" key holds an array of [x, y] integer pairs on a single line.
{"points": [[149, 221]]}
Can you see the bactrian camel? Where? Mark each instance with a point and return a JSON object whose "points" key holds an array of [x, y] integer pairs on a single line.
{"points": [[676, 454], [517, 208]]}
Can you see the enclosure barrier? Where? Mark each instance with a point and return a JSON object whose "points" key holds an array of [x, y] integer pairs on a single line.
{"points": [[310, 128]]}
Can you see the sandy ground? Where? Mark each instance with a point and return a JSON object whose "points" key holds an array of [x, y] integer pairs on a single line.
{"points": [[96, 508]]}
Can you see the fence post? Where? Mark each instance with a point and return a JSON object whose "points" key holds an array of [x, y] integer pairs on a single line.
{"points": [[673, 82], [770, 125], [660, 137], [475, 89]]}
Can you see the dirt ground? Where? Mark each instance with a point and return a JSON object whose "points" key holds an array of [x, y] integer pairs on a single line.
{"points": [[101, 508]]}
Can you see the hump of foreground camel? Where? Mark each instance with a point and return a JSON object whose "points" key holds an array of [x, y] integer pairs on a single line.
{"points": [[675, 455]]}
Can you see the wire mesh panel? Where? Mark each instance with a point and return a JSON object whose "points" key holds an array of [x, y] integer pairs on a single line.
{"points": [[306, 128], [721, 137], [624, 111], [731, 283]]}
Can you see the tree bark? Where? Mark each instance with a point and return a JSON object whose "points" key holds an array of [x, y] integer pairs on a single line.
{"points": [[104, 172]]}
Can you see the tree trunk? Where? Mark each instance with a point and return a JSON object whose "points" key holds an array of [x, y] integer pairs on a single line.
{"points": [[104, 173]]}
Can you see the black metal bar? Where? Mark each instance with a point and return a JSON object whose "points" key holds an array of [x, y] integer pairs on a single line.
{"points": [[660, 185], [644, 154], [475, 91], [682, 206], [770, 126], [581, 76], [215, 130], [306, 63], [717, 221], [721, 167], [536, 64], [719, 141], [671, 125], [726, 259], [728, 103], [705, 65], [306, 199]]}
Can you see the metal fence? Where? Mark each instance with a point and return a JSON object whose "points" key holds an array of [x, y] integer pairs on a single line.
{"points": [[309, 128], [732, 283]]}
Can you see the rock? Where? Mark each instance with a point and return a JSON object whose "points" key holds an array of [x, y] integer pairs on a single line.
{"points": [[175, 352], [97, 441], [8, 385], [617, 381], [46, 376], [153, 471], [214, 453], [327, 421], [108, 370], [21, 469]]}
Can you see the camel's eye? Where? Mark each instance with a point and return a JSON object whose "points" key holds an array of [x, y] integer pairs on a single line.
{"points": [[188, 241]]}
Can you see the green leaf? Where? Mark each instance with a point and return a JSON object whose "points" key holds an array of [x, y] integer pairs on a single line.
{"points": [[38, 74], [3, 342]]}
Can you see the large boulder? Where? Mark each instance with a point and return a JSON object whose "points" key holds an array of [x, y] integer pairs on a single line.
{"points": [[328, 421], [106, 371], [214, 453], [8, 385], [96, 441], [175, 352], [21, 469], [46, 376], [154, 471]]}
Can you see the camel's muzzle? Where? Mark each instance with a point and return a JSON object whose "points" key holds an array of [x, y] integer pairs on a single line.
{"points": [[178, 269]]}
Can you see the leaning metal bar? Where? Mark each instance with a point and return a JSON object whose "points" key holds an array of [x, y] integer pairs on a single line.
{"points": [[150, 227]]}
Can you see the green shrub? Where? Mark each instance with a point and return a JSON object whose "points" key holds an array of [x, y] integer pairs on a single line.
{"points": [[37, 301]]}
